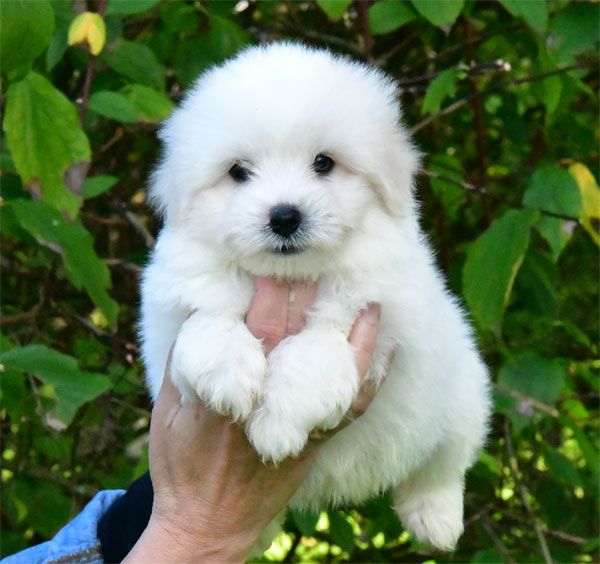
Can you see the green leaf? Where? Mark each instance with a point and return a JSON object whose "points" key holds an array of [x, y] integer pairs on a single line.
{"points": [[57, 447], [536, 288], [548, 91], [334, 9], [96, 185], [556, 232], [129, 6], [591, 545], [132, 104], [75, 245], [552, 189], [573, 31], [114, 106], [341, 531], [305, 520], [58, 46], [493, 261], [386, 16], [179, 18], [534, 12], [136, 62], [562, 468], [152, 105], [48, 147], [223, 39], [441, 87], [73, 387], [46, 506], [486, 556], [441, 13], [25, 31], [533, 376]]}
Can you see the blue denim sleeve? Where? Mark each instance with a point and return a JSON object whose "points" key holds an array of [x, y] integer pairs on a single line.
{"points": [[75, 542]]}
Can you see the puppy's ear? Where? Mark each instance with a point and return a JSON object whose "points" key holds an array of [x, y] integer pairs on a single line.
{"points": [[393, 175], [168, 181], [163, 194]]}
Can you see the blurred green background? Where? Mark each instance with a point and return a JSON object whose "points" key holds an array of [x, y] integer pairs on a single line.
{"points": [[502, 97]]}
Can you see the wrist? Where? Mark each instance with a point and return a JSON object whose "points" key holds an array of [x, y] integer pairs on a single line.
{"points": [[182, 541]]}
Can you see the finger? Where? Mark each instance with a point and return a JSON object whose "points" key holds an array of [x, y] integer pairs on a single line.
{"points": [[363, 337], [267, 316], [302, 297]]}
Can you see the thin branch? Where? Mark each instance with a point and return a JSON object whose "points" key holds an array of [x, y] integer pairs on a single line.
{"points": [[499, 65], [476, 106], [87, 85], [129, 266], [483, 191], [489, 529], [259, 32], [447, 110], [383, 59], [540, 406], [553, 533], [459, 46], [116, 137], [524, 494], [513, 82], [560, 70], [89, 72], [566, 536], [136, 223], [19, 317], [462, 183], [362, 11]]}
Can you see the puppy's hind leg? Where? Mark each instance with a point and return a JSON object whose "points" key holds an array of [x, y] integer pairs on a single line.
{"points": [[430, 502]]}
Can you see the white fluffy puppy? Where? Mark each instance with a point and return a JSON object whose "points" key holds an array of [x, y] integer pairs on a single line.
{"points": [[292, 162]]}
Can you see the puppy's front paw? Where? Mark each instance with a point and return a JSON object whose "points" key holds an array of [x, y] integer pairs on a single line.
{"points": [[221, 362], [274, 438], [311, 382]]}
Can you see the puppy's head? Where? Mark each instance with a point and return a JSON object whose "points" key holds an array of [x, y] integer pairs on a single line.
{"points": [[276, 157]]}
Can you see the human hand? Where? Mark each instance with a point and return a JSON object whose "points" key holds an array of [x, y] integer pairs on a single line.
{"points": [[213, 496]]}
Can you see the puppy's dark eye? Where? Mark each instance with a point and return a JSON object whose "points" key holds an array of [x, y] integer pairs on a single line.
{"points": [[239, 173], [323, 164]]}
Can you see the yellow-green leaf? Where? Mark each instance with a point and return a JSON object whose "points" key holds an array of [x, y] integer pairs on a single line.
{"points": [[46, 142], [590, 197], [88, 27]]}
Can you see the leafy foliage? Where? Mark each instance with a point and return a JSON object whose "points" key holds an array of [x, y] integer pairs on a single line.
{"points": [[502, 98]]}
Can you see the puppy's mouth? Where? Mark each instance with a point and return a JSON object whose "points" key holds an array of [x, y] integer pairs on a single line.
{"points": [[287, 250]]}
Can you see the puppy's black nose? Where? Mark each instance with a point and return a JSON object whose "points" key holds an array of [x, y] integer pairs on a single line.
{"points": [[284, 220]]}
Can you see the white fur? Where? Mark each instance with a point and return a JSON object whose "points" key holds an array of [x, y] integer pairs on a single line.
{"points": [[276, 108]]}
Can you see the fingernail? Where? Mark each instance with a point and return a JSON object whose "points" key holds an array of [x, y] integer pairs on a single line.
{"points": [[373, 313]]}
